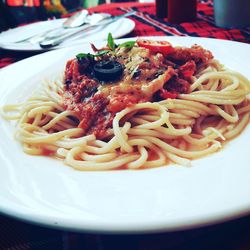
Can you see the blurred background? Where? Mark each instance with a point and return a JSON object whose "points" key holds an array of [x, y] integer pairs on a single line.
{"points": [[16, 12]]}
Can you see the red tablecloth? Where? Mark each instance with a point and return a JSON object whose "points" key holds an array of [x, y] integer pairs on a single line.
{"points": [[147, 24], [16, 235]]}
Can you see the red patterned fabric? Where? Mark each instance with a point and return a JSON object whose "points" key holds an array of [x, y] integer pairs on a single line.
{"points": [[147, 24]]}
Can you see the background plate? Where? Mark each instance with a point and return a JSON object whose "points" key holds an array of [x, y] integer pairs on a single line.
{"points": [[44, 190], [118, 29]]}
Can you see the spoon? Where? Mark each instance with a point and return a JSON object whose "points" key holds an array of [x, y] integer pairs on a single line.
{"points": [[95, 20], [76, 20], [90, 20]]}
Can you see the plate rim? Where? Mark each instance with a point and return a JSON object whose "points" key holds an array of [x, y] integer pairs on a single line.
{"points": [[199, 222]]}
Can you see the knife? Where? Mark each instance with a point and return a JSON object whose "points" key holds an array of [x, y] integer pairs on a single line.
{"points": [[54, 41]]}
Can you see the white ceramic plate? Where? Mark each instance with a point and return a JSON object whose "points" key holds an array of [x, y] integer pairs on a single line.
{"points": [[118, 29], [45, 191]]}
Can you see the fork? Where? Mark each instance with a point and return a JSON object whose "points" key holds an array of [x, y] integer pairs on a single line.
{"points": [[76, 20]]}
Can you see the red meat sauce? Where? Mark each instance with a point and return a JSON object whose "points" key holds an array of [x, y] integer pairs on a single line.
{"points": [[95, 103]]}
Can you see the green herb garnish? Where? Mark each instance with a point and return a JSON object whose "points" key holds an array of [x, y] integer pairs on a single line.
{"points": [[83, 55], [128, 44], [111, 42], [80, 56], [112, 45]]}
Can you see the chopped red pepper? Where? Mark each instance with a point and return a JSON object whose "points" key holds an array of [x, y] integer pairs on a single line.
{"points": [[168, 95], [188, 69]]}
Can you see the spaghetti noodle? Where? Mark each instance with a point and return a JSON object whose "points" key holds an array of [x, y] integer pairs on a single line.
{"points": [[159, 123]]}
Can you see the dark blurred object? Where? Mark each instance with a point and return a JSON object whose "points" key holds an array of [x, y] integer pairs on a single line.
{"points": [[161, 8], [18, 235], [18, 12], [180, 11], [231, 13], [3, 23], [72, 5], [21, 12]]}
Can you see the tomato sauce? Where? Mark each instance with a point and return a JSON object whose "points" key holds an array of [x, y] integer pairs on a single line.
{"points": [[95, 103]]}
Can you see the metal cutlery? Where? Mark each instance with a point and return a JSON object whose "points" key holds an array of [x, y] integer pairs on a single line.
{"points": [[50, 42], [74, 21]]}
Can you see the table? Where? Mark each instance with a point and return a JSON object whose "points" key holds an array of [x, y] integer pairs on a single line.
{"points": [[147, 24], [15, 234]]}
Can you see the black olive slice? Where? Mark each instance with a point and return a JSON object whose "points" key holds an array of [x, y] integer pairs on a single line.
{"points": [[108, 70]]}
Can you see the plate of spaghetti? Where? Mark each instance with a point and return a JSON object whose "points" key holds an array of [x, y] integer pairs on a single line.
{"points": [[129, 135]]}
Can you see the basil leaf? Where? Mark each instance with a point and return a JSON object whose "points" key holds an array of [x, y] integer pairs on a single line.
{"points": [[128, 44], [111, 43], [80, 56], [83, 55]]}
